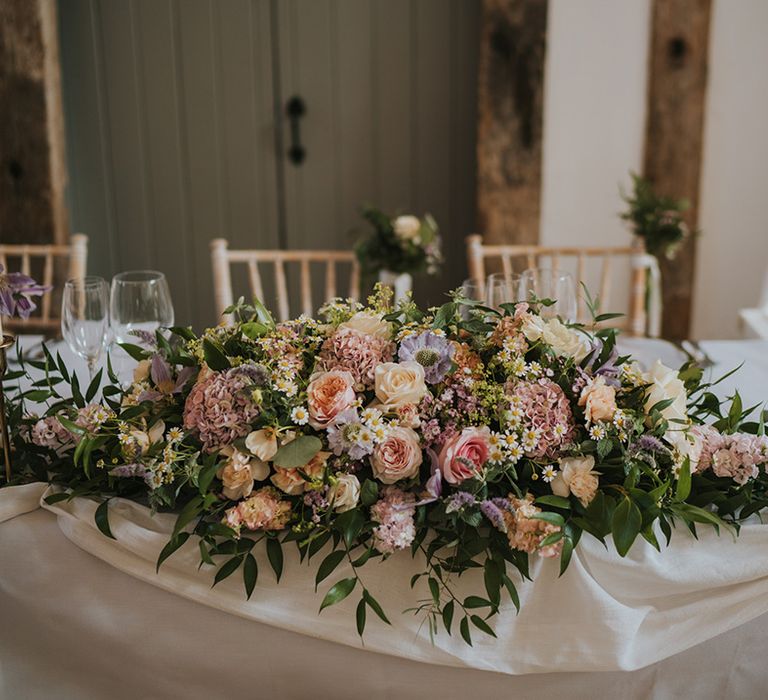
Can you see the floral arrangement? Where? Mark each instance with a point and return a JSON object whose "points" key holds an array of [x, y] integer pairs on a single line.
{"points": [[657, 220], [404, 244], [469, 438]]}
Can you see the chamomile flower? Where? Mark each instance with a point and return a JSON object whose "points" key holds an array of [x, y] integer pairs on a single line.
{"points": [[496, 456], [514, 454], [518, 367], [300, 415], [559, 430], [548, 473], [175, 435], [597, 431]]}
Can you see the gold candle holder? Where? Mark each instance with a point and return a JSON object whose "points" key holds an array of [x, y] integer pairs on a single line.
{"points": [[7, 342]]}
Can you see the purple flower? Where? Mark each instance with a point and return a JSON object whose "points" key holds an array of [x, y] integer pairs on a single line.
{"points": [[348, 434], [459, 500], [649, 443], [494, 510], [127, 471], [16, 292], [432, 351], [609, 370], [145, 338]]}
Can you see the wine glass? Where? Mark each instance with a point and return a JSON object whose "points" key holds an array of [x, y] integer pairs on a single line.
{"points": [[140, 301], [544, 283], [502, 288], [85, 318]]}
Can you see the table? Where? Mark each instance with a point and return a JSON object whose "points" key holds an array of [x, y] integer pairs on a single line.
{"points": [[75, 626]]}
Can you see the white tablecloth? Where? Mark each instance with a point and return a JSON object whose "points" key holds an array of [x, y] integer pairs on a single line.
{"points": [[75, 626]]}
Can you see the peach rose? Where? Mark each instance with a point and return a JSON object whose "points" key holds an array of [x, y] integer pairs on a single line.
{"points": [[464, 454], [598, 400], [398, 456], [397, 384], [328, 394], [291, 481], [239, 473], [577, 477]]}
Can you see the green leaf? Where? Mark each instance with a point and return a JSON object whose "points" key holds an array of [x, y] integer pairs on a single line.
{"points": [[77, 397], [205, 477], [513, 596], [102, 518], [275, 556], [565, 554], [448, 615], [171, 547], [369, 493], [55, 498], [254, 330], [492, 580], [360, 617], [214, 356], [38, 395], [481, 624], [205, 556], [551, 538], [328, 565], [135, 351], [350, 525], [434, 589], [93, 387], [556, 501], [227, 569], [683, 489], [298, 452], [474, 601], [554, 518], [464, 629], [250, 574], [374, 605], [188, 513], [338, 592], [625, 524]]}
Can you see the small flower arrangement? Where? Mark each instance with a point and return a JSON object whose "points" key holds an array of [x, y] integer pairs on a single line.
{"points": [[403, 244], [657, 220], [467, 438], [16, 295]]}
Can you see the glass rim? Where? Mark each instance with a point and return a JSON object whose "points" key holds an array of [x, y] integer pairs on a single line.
{"points": [[86, 281], [150, 276]]}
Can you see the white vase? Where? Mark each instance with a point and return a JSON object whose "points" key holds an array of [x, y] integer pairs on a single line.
{"points": [[402, 283]]}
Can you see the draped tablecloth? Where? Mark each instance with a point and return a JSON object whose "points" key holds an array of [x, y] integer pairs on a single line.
{"points": [[74, 626]]}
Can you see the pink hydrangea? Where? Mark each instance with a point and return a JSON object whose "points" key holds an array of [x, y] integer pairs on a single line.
{"points": [[49, 432], [394, 512], [736, 456], [220, 409], [357, 353], [547, 411], [525, 532]]}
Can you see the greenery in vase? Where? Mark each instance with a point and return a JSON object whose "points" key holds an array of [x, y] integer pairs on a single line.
{"points": [[469, 438], [402, 244], [657, 220]]}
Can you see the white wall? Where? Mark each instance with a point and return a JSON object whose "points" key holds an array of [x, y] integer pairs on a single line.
{"points": [[733, 249]]}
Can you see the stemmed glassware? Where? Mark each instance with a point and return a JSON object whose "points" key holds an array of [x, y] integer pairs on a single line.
{"points": [[543, 283], [140, 301], [502, 288], [85, 318]]}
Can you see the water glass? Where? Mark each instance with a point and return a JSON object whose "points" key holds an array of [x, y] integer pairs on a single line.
{"points": [[85, 318], [502, 288], [140, 301], [543, 283]]}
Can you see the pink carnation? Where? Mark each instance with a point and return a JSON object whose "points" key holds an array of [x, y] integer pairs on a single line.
{"points": [[546, 409], [262, 510], [220, 409], [394, 512], [357, 353]]}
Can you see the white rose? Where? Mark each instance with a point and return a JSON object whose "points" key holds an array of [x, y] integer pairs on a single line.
{"points": [[397, 384], [407, 228], [577, 477], [369, 324], [564, 341], [665, 383], [345, 493]]}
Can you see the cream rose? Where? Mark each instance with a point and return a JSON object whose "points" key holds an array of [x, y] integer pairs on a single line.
{"points": [[598, 400], [665, 383], [398, 456], [407, 228], [577, 477], [369, 324], [397, 384], [239, 473], [328, 394], [564, 341], [345, 493]]}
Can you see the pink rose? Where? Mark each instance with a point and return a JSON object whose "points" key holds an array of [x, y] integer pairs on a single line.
{"points": [[398, 456], [328, 394], [464, 454], [598, 400]]}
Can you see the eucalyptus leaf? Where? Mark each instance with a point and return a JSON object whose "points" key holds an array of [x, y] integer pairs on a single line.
{"points": [[298, 452]]}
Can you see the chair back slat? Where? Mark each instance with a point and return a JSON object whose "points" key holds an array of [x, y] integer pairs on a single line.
{"points": [[283, 264], [530, 255], [506, 266], [40, 262]]}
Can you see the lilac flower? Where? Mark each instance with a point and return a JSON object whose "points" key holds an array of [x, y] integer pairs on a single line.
{"points": [[127, 471], [145, 338], [16, 292], [459, 500], [347, 434], [494, 509], [432, 351], [649, 443], [257, 374]]}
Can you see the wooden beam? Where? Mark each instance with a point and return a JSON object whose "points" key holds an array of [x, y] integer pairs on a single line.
{"points": [[32, 161], [510, 115], [674, 133]]}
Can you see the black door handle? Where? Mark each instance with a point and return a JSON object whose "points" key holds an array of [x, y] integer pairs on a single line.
{"points": [[296, 109]]}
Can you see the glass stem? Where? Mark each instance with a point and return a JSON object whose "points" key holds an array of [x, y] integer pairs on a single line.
{"points": [[91, 367]]}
